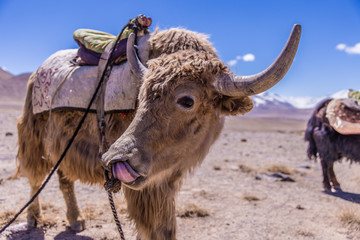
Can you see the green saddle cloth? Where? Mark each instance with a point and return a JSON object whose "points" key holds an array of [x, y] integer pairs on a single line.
{"points": [[98, 40], [93, 39]]}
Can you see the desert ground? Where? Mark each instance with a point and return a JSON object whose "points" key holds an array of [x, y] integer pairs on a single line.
{"points": [[230, 196]]}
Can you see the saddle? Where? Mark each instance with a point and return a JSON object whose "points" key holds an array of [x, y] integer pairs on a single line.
{"points": [[344, 116], [62, 83], [92, 42]]}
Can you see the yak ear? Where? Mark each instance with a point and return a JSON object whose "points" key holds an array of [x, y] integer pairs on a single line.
{"points": [[234, 106]]}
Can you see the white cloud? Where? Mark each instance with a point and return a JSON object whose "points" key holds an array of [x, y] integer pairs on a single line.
{"points": [[246, 58], [232, 63], [249, 57], [349, 49], [353, 50], [341, 46]]}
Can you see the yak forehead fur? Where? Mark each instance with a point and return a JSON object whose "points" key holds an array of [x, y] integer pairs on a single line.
{"points": [[176, 39], [169, 71]]}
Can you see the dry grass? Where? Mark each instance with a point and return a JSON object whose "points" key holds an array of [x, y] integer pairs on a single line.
{"points": [[280, 168], [350, 218], [246, 169], [251, 198], [299, 207], [90, 212], [49, 223], [6, 215], [217, 168], [47, 206], [192, 210], [305, 233]]}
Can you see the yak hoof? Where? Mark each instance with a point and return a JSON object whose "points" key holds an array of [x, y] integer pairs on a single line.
{"points": [[327, 190], [78, 226], [32, 222], [336, 189]]}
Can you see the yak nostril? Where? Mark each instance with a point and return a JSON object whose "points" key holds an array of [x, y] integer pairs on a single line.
{"points": [[130, 154]]}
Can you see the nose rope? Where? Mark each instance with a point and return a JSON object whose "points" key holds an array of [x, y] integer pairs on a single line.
{"points": [[109, 187], [104, 71]]}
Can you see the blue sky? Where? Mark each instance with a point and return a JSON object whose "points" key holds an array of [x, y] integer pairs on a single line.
{"points": [[328, 59]]}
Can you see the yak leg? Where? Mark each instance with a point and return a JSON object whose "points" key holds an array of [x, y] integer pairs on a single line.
{"points": [[34, 211], [30, 157], [35, 169], [325, 170], [32, 164], [327, 155], [35, 178], [76, 222], [332, 177]]}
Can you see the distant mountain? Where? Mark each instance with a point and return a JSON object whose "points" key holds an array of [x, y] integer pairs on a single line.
{"points": [[13, 88], [270, 105], [4, 74]]}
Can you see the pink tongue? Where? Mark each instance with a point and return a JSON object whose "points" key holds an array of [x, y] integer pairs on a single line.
{"points": [[123, 172]]}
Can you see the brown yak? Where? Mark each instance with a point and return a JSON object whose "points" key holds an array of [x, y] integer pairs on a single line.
{"points": [[184, 95]]}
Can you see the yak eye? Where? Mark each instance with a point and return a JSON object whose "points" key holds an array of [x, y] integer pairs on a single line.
{"points": [[186, 102]]}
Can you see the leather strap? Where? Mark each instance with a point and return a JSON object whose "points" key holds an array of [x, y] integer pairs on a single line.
{"points": [[104, 70]]}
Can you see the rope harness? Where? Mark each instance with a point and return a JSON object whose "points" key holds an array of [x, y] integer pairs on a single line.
{"points": [[104, 70]]}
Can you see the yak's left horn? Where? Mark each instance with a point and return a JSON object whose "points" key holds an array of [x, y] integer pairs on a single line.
{"points": [[135, 64], [238, 86]]}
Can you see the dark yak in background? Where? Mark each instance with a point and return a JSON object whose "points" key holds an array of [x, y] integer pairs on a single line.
{"points": [[328, 145]]}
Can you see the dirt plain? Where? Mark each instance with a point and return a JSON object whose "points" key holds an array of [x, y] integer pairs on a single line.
{"points": [[230, 196]]}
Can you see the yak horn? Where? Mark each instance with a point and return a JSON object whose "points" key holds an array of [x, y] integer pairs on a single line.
{"points": [[240, 86], [135, 64]]}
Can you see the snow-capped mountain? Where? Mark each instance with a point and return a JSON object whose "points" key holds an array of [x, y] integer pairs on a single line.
{"points": [[297, 102], [270, 105]]}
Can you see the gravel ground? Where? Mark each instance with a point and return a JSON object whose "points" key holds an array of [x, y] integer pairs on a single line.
{"points": [[230, 196]]}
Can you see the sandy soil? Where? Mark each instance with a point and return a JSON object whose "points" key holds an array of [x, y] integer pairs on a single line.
{"points": [[222, 199]]}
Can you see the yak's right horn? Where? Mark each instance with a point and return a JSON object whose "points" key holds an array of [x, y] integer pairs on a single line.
{"points": [[238, 86]]}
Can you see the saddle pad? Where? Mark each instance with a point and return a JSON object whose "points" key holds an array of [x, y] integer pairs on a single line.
{"points": [[60, 84], [93, 39], [344, 116]]}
